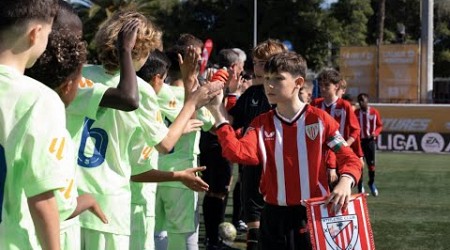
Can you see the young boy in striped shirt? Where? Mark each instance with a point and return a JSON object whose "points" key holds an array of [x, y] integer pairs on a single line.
{"points": [[288, 142], [370, 120]]}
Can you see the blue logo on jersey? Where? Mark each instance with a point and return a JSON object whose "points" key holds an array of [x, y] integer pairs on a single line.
{"points": [[101, 143]]}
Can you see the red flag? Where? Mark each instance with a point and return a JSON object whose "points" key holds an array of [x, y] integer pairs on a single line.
{"points": [[205, 54], [344, 230]]}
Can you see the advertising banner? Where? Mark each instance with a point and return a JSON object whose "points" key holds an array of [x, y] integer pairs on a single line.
{"points": [[415, 127], [399, 73], [358, 67]]}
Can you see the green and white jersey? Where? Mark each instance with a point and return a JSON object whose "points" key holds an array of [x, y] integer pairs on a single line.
{"points": [[104, 160], [85, 104], [186, 151], [35, 153], [155, 131]]}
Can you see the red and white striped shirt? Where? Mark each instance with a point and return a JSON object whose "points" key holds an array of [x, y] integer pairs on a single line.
{"points": [[370, 122], [341, 110], [291, 153]]}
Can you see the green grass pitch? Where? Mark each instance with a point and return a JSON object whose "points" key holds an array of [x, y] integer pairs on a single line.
{"points": [[413, 208]]}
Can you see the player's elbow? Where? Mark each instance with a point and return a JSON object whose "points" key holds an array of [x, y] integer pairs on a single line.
{"points": [[163, 148], [130, 102]]}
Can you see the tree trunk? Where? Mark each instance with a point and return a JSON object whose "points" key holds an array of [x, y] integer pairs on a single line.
{"points": [[381, 16]]}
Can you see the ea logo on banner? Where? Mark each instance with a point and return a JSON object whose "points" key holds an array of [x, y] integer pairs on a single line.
{"points": [[432, 143]]}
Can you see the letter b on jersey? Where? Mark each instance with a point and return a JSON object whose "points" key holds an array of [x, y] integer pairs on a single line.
{"points": [[98, 151]]}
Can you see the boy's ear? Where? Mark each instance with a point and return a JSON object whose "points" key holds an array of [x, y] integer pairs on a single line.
{"points": [[65, 88], [299, 82], [33, 34]]}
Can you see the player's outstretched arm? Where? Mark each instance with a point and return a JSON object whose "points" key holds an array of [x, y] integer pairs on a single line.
{"points": [[126, 96], [44, 211], [197, 99], [87, 202], [188, 177]]}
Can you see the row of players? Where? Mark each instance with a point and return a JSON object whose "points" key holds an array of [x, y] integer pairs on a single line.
{"points": [[38, 174]]}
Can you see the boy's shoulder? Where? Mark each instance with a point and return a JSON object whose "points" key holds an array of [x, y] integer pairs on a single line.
{"points": [[315, 111], [27, 88], [344, 103]]}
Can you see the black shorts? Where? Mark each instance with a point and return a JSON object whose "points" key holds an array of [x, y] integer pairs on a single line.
{"points": [[369, 147], [218, 169], [284, 228], [252, 199]]}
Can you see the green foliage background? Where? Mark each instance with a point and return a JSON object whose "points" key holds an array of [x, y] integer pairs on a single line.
{"points": [[316, 32]]}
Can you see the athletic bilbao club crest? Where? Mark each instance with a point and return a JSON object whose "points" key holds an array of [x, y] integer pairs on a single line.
{"points": [[341, 232], [312, 130], [348, 229]]}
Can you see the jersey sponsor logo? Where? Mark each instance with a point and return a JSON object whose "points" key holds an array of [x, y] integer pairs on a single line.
{"points": [[57, 147], [85, 83], [146, 151], [67, 190], [341, 232], [93, 145], [269, 135], [254, 103], [312, 130]]}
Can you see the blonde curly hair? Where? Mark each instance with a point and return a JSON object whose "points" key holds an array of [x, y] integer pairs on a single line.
{"points": [[148, 38]]}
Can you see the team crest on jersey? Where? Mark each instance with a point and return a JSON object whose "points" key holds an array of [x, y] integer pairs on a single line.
{"points": [[341, 232], [269, 135], [338, 112], [312, 130]]}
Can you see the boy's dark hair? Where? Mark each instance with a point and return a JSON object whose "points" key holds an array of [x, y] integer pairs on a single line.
{"points": [[362, 95], [67, 18], [227, 57], [62, 60], [290, 62], [157, 63], [16, 13], [329, 76]]}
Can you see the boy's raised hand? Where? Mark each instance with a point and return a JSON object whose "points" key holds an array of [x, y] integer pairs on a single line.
{"points": [[204, 94], [189, 66], [127, 35], [192, 181]]}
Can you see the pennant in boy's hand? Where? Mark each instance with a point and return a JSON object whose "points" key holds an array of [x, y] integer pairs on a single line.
{"points": [[344, 230]]}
